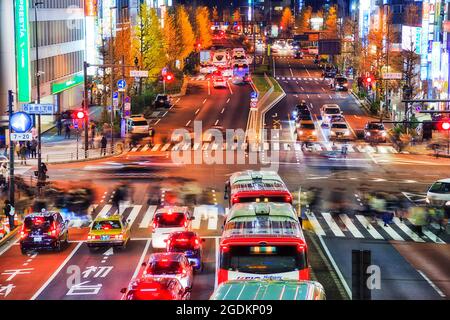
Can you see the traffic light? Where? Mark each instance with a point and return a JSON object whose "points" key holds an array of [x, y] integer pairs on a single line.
{"points": [[79, 115], [169, 77], [445, 125], [198, 45]]}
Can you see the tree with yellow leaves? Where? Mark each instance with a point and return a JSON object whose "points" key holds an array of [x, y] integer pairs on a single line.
{"points": [[172, 39], [203, 27], [215, 14], [237, 16], [331, 21], [304, 21], [187, 36], [287, 20]]}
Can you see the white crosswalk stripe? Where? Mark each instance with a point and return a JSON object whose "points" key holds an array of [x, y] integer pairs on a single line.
{"points": [[333, 225], [133, 214], [350, 226], [156, 147], [315, 224], [371, 230], [390, 231], [407, 230], [148, 217], [166, 146]]}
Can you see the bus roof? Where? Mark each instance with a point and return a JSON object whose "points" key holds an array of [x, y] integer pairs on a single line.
{"points": [[269, 290], [250, 175], [253, 209]]}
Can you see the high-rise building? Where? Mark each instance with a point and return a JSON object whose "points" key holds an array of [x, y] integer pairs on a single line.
{"points": [[60, 46]]}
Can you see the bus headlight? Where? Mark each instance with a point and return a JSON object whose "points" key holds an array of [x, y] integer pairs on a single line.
{"points": [[347, 132], [314, 133], [427, 200], [300, 132], [384, 134]]}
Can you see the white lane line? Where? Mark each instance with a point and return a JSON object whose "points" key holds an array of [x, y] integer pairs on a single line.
{"points": [[371, 230], [407, 230], [9, 246], [217, 121], [134, 213], [157, 122], [216, 242], [148, 217], [178, 100], [391, 232], [223, 110], [292, 74], [188, 123], [432, 284], [53, 276], [307, 96], [228, 100], [166, 146], [204, 101], [229, 87], [315, 224], [350, 226], [309, 75], [333, 225], [303, 89], [198, 214], [165, 114], [213, 219], [196, 112], [330, 96], [141, 259]]}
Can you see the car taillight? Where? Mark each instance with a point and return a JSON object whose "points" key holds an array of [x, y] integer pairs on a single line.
{"points": [[119, 236], [52, 231], [23, 232], [225, 249], [235, 200], [288, 198], [300, 248]]}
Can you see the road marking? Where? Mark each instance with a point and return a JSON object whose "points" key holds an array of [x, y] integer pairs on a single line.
{"points": [[229, 87], [165, 114], [212, 218], [309, 75], [141, 259], [323, 89], [134, 213], [382, 149], [166, 146], [198, 110], [53, 276], [223, 109], [292, 74], [104, 211], [217, 121], [148, 217], [432, 236], [432, 284], [333, 225], [198, 214], [228, 100], [9, 246], [350, 226], [316, 225], [157, 122], [204, 101], [135, 149], [188, 123], [371, 230], [156, 147], [196, 145], [391, 232], [145, 148], [330, 96], [407, 230], [303, 89]]}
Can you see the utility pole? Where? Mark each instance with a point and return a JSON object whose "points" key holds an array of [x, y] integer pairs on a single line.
{"points": [[386, 99], [86, 112], [38, 91], [111, 44], [254, 35], [11, 149]]}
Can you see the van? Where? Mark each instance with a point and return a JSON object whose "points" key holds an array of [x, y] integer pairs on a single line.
{"points": [[138, 125]]}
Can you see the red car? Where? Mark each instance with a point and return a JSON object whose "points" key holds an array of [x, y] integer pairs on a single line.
{"points": [[156, 289], [190, 244]]}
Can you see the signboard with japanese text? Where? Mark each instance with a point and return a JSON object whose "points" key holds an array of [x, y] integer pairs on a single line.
{"points": [[22, 50], [38, 108]]}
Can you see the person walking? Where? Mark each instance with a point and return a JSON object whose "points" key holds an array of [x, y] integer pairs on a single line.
{"points": [[34, 144], [59, 126], [17, 146], [67, 136], [9, 212], [103, 142], [23, 155], [28, 144]]}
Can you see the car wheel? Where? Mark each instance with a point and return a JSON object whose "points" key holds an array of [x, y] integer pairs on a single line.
{"points": [[58, 246], [66, 240], [23, 251], [92, 249]]}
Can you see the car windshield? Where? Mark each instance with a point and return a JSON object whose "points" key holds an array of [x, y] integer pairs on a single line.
{"points": [[440, 187], [263, 260], [170, 220], [39, 222], [107, 225], [140, 123], [341, 80], [164, 266], [375, 126], [339, 125], [162, 98], [309, 126], [332, 111]]}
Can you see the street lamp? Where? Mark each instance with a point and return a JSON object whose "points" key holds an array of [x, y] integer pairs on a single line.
{"points": [[38, 91]]}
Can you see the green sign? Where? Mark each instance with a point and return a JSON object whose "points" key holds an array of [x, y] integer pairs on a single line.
{"points": [[22, 51], [70, 83]]}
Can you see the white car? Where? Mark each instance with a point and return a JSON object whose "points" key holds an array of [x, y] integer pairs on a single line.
{"points": [[138, 125], [339, 130], [168, 220], [208, 69], [219, 82], [439, 193], [328, 111]]}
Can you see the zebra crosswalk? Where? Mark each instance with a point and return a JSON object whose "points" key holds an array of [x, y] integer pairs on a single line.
{"points": [[360, 227], [275, 146], [207, 217], [299, 78]]}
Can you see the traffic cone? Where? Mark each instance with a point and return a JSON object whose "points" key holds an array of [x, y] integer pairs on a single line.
{"points": [[5, 226], [2, 231]]}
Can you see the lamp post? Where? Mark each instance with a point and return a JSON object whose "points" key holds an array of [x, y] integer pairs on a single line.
{"points": [[111, 45], [38, 91]]}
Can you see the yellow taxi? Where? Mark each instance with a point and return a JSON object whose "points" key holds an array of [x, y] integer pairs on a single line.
{"points": [[306, 130], [108, 231]]}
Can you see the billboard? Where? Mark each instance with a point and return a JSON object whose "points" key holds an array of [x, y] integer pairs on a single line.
{"points": [[22, 50], [411, 38], [90, 8], [205, 56], [331, 47]]}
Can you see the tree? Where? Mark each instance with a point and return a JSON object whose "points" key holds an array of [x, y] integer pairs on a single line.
{"points": [[410, 57], [304, 21], [172, 39], [331, 21], [187, 36], [203, 27], [215, 14], [237, 16], [150, 42], [287, 20]]}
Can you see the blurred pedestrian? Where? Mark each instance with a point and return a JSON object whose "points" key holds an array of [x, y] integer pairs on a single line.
{"points": [[9, 212], [23, 154], [67, 136], [59, 125], [17, 146], [418, 217], [103, 142], [28, 144], [34, 145]]}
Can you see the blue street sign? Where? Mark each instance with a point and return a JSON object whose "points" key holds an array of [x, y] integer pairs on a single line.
{"points": [[32, 108], [21, 122], [115, 95], [253, 95], [121, 84], [127, 99]]}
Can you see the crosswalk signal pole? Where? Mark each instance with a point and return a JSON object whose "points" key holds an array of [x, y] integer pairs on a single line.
{"points": [[11, 149]]}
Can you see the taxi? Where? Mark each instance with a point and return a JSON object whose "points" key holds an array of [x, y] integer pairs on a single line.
{"points": [[107, 231], [306, 130]]}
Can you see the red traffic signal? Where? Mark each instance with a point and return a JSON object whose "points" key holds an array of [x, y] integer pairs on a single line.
{"points": [[445, 124], [79, 114], [369, 79], [169, 77]]}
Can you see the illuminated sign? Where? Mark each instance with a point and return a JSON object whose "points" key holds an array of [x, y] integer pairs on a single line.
{"points": [[436, 60], [411, 38], [22, 51], [72, 82], [21, 122], [90, 8]]}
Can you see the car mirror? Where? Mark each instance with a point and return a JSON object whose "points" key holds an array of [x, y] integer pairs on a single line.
{"points": [[67, 221], [123, 290], [192, 218], [144, 264], [192, 263], [128, 220]]}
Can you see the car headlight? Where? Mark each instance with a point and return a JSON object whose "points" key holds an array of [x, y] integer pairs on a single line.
{"points": [[295, 113], [314, 133], [427, 200], [384, 134], [300, 132], [333, 133], [297, 125], [368, 134], [347, 132], [447, 203]]}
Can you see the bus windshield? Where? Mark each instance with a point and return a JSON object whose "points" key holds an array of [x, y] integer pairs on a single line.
{"points": [[263, 259]]}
